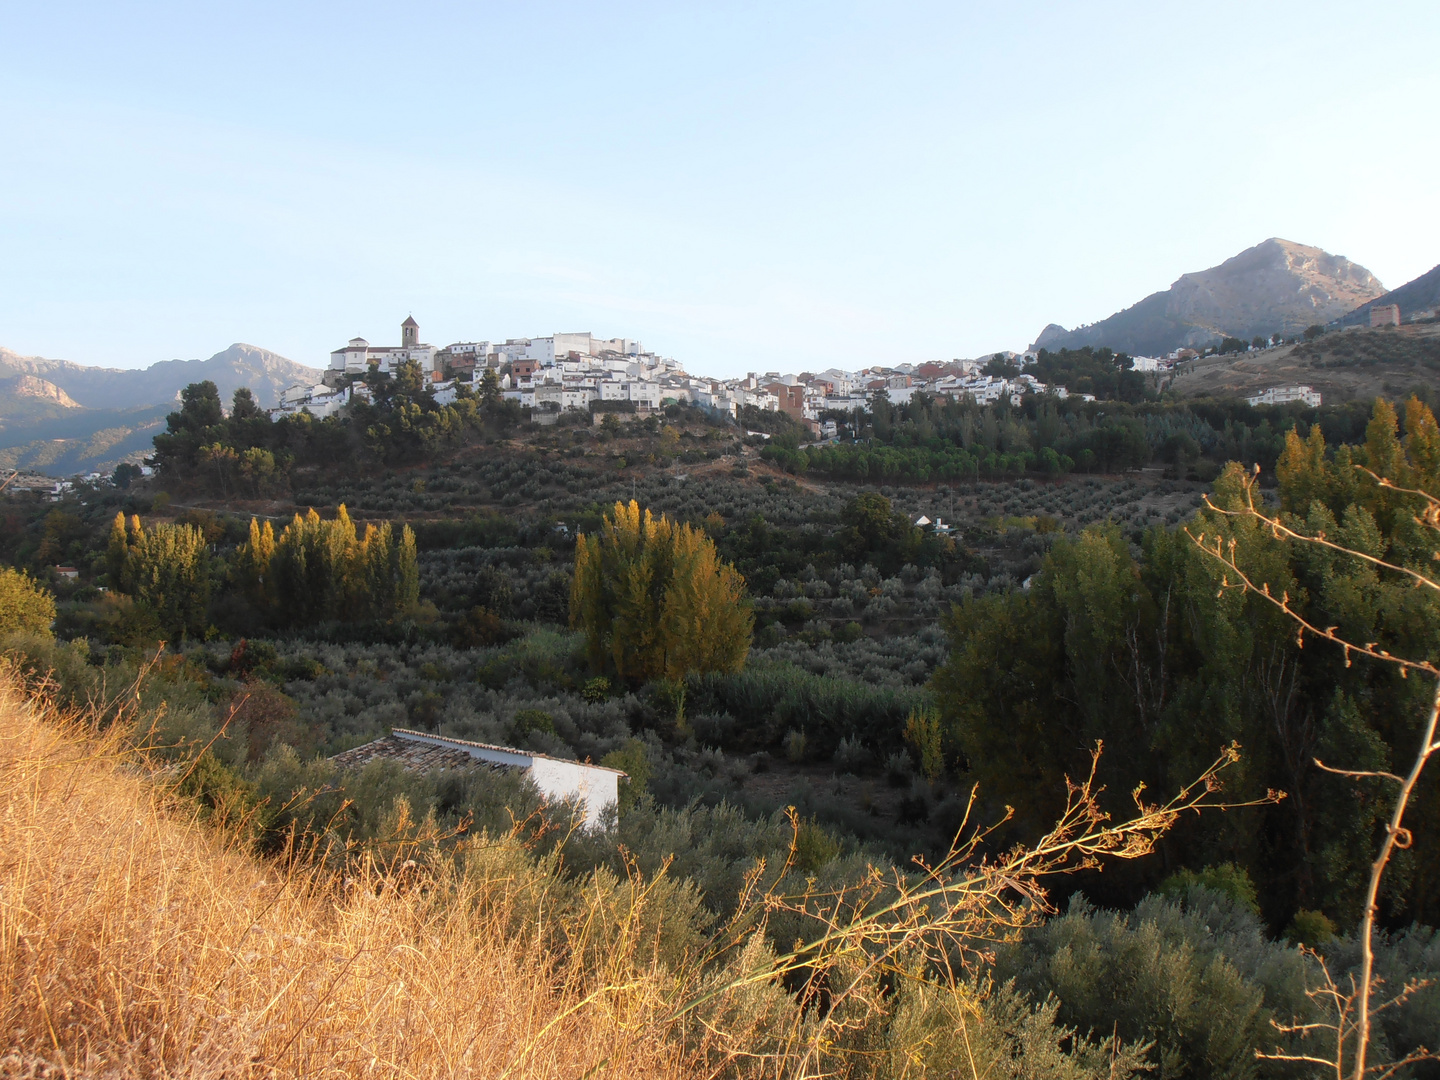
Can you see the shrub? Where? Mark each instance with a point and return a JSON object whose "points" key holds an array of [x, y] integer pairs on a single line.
{"points": [[1226, 879], [529, 721], [655, 600], [25, 606], [633, 760], [923, 733], [795, 746], [1311, 928], [851, 755]]}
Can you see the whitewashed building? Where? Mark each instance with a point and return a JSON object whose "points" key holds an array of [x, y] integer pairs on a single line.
{"points": [[1285, 395], [358, 354], [592, 789]]}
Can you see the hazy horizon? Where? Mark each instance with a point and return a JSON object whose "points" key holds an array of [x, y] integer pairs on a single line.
{"points": [[755, 187]]}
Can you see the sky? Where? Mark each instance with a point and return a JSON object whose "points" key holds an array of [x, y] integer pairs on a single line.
{"points": [[743, 186]]}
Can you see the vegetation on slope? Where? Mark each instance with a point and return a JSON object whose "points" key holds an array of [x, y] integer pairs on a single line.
{"points": [[1117, 636]]}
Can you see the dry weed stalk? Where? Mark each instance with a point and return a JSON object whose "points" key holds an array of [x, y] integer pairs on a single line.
{"points": [[1342, 1004], [1396, 835], [937, 923]]}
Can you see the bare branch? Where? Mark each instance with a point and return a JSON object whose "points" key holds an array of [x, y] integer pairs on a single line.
{"points": [[1396, 835], [1356, 774], [1279, 528]]}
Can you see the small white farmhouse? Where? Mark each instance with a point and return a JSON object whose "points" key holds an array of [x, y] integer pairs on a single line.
{"points": [[559, 781]]}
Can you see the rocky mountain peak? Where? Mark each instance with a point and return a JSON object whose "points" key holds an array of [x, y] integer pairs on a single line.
{"points": [[1277, 286]]}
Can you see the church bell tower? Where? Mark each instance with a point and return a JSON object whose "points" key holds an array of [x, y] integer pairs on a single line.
{"points": [[409, 333]]}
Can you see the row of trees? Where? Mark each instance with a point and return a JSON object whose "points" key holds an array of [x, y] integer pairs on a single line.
{"points": [[248, 454], [1157, 657], [319, 570], [936, 438], [167, 568], [314, 571]]}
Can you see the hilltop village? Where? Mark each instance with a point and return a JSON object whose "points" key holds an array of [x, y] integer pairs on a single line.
{"points": [[578, 371]]}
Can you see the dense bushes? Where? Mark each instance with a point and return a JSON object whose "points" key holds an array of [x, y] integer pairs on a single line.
{"points": [[765, 703], [1154, 656], [1200, 978]]}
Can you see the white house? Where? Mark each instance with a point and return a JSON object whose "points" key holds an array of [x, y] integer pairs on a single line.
{"points": [[1284, 395], [319, 401], [591, 787]]}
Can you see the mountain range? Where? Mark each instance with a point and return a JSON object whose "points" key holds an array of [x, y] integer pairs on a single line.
{"points": [[63, 418], [1277, 286]]}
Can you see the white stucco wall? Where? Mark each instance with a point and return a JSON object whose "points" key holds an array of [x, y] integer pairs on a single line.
{"points": [[593, 786], [573, 781]]}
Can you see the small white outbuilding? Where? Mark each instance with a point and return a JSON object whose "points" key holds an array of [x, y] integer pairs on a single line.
{"points": [[560, 781]]}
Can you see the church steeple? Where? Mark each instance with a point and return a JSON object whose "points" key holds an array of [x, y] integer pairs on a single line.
{"points": [[409, 333]]}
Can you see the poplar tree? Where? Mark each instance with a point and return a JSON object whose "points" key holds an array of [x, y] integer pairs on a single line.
{"points": [[166, 568], [656, 601], [320, 570], [251, 572]]}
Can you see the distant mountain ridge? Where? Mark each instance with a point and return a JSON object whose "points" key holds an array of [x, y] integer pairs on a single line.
{"points": [[63, 418], [39, 390], [265, 372], [1277, 286], [1422, 294]]}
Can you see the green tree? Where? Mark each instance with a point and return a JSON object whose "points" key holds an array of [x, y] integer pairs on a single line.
{"points": [[1159, 659], [244, 407], [200, 407], [257, 466], [116, 552], [313, 568], [250, 570], [25, 606], [490, 390], [324, 571], [656, 601], [167, 568]]}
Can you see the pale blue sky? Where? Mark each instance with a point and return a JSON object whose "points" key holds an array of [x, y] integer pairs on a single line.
{"points": [[742, 186]]}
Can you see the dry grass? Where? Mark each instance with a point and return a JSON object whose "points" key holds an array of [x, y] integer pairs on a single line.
{"points": [[134, 942]]}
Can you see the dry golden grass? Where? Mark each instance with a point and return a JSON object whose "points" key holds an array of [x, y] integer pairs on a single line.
{"points": [[134, 943]]}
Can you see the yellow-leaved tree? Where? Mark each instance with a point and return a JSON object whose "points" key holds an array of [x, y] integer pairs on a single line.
{"points": [[166, 568], [319, 569], [25, 606], [655, 599]]}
